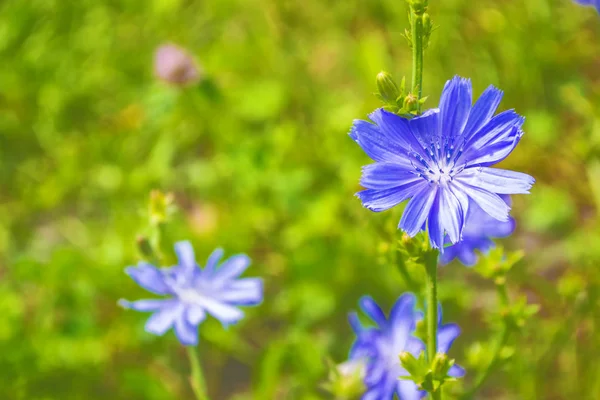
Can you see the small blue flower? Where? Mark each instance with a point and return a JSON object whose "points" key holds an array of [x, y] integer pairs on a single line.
{"points": [[441, 161], [477, 234], [193, 292], [379, 347], [595, 3]]}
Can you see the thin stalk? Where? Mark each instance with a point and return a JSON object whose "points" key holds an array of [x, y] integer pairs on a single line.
{"points": [[197, 377], [416, 22], [432, 318]]}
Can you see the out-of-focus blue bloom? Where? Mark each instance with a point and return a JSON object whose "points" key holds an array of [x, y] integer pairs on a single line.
{"points": [[594, 3], [193, 292], [441, 161], [379, 347], [479, 230]]}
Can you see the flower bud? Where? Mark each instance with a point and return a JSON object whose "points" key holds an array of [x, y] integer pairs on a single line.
{"points": [[387, 88], [161, 206], [346, 380], [418, 6], [440, 366], [411, 103], [144, 247], [409, 362], [174, 65]]}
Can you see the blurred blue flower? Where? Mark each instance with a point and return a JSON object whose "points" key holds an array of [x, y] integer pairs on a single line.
{"points": [[379, 347], [441, 160], [193, 292], [595, 3], [477, 234]]}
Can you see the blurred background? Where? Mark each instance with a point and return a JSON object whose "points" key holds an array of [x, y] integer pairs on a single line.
{"points": [[257, 156]]}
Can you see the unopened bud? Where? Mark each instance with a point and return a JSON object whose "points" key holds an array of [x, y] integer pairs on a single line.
{"points": [[387, 88], [440, 366], [161, 206], [144, 247], [409, 362], [411, 103], [418, 6]]}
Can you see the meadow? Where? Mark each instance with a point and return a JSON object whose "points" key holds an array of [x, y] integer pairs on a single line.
{"points": [[258, 159]]}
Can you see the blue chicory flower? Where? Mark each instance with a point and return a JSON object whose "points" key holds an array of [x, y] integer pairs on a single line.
{"points": [[193, 292], [477, 234], [379, 347], [594, 3], [441, 161]]}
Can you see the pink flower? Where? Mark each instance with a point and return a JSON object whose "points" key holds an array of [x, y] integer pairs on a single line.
{"points": [[176, 66]]}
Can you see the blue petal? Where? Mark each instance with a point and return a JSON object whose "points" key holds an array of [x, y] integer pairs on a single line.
{"points": [[381, 200], [355, 323], [483, 110], [425, 126], [497, 129], [449, 254], [243, 292], [414, 346], [434, 225], [500, 181], [456, 371], [195, 314], [186, 332], [162, 320], [495, 152], [146, 305], [397, 131], [383, 176], [455, 105], [149, 277], [376, 145], [373, 311], [452, 215], [500, 229], [373, 394], [212, 262], [489, 202], [231, 268], [417, 210], [446, 335], [407, 390], [402, 317], [185, 256], [225, 313], [466, 254]]}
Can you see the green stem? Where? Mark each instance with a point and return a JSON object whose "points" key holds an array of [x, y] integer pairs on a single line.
{"points": [[399, 261], [197, 377], [432, 318], [416, 22]]}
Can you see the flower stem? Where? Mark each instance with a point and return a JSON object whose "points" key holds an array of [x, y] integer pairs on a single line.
{"points": [[432, 317], [197, 377], [416, 23]]}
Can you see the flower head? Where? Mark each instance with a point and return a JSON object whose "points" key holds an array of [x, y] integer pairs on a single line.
{"points": [[479, 229], [441, 160], [193, 292], [379, 347], [174, 65], [594, 3]]}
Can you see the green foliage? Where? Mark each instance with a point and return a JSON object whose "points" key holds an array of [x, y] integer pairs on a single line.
{"points": [[258, 160]]}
